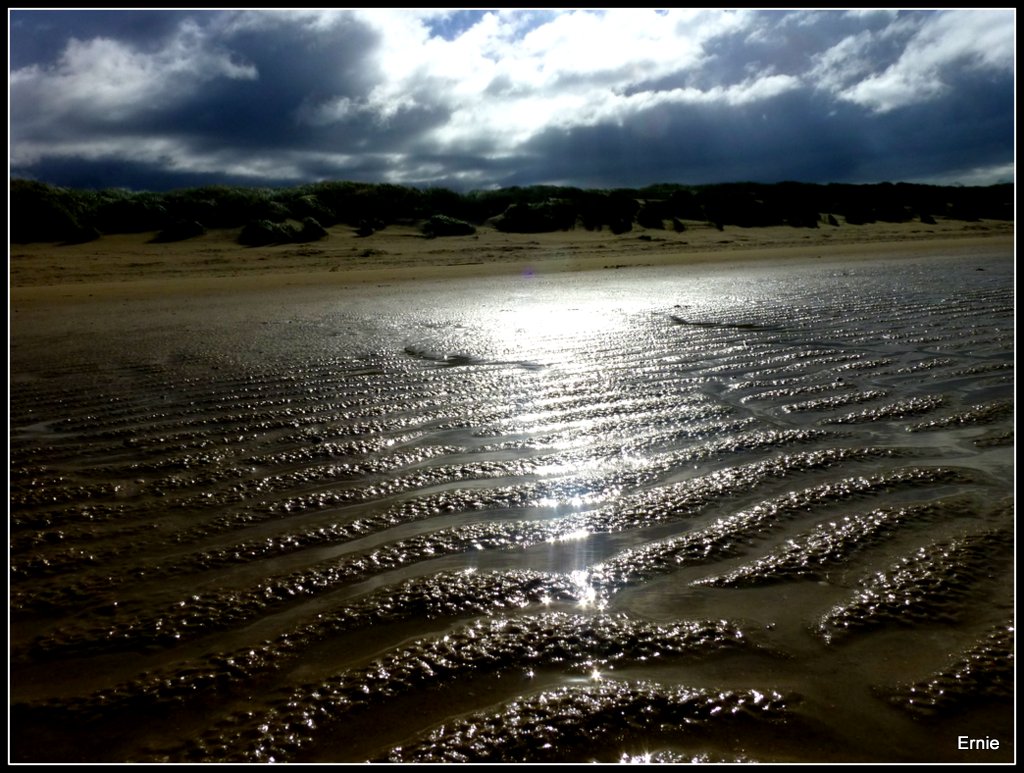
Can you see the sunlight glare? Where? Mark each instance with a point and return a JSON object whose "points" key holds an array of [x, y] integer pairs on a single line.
{"points": [[586, 593], [550, 328]]}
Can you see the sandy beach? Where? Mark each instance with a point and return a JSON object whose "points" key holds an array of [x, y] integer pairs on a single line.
{"points": [[725, 496], [132, 266], [154, 290]]}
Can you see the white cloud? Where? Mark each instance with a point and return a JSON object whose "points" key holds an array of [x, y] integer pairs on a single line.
{"points": [[935, 43], [143, 149], [628, 45], [509, 75], [972, 38], [844, 63], [896, 87], [109, 81]]}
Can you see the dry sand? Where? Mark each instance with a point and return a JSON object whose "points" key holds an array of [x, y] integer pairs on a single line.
{"points": [[130, 266]]}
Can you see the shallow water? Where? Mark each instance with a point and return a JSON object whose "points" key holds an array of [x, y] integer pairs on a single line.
{"points": [[668, 514]]}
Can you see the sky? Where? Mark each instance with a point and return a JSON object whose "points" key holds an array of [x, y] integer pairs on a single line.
{"points": [[483, 99]]}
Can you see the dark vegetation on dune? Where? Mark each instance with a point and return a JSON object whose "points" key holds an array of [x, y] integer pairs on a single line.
{"points": [[44, 213]]}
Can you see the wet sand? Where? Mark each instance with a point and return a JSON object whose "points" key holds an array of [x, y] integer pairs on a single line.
{"points": [[701, 502]]}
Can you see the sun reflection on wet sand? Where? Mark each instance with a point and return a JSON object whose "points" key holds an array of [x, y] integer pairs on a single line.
{"points": [[422, 541], [587, 595], [553, 330]]}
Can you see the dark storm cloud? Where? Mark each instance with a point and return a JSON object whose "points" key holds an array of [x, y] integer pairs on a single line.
{"points": [[473, 99], [787, 137], [296, 67], [39, 37], [967, 130], [125, 173], [779, 139]]}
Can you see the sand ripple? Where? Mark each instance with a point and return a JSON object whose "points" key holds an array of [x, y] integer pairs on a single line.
{"points": [[692, 524]]}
